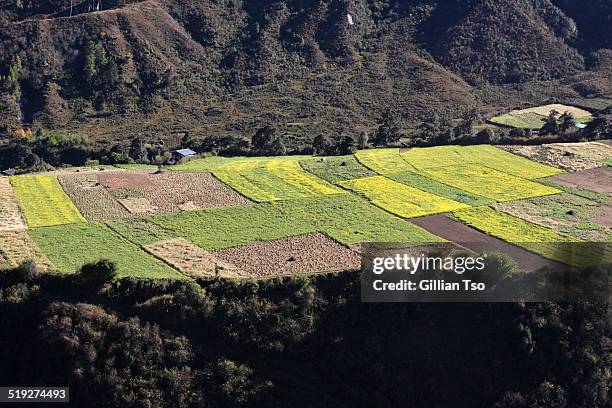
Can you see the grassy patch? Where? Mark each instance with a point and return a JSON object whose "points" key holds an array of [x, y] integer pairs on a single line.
{"points": [[538, 239], [345, 218], [136, 166], [336, 168], [435, 187], [566, 213], [490, 183], [43, 202], [68, 247], [400, 199], [485, 155], [141, 231]]}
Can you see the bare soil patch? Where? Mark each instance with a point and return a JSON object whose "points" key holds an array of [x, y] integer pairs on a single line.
{"points": [[604, 216], [17, 247], [10, 214], [193, 260], [477, 241], [179, 191], [599, 179], [311, 253], [121, 180], [551, 156], [94, 201]]}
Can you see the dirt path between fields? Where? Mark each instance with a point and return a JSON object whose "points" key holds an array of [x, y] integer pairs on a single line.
{"points": [[477, 241]]}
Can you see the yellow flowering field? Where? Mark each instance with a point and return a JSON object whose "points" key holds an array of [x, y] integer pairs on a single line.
{"points": [[536, 238], [489, 183], [485, 155], [272, 179], [43, 202], [400, 199], [384, 161]]}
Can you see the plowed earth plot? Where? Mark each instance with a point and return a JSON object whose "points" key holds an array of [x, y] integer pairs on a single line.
{"points": [[92, 199], [305, 254], [192, 260], [169, 192], [400, 199], [17, 247], [71, 246], [43, 202], [10, 215], [489, 183], [599, 179]]}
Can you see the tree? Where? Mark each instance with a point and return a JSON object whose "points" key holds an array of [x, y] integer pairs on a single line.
{"points": [[389, 131], [138, 150], [362, 140], [278, 147], [551, 127], [186, 140], [263, 138], [322, 145], [99, 272], [347, 146], [486, 136], [567, 122]]}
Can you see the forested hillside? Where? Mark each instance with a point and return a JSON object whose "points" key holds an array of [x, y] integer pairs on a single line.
{"points": [[116, 68]]}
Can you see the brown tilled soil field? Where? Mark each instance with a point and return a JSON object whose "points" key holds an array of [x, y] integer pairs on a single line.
{"points": [[477, 241], [311, 253], [17, 247], [124, 180], [551, 156], [169, 192], [91, 198], [192, 260], [599, 179], [10, 215]]}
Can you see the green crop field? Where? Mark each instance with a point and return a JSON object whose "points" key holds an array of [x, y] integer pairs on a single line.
{"points": [[490, 183], [43, 202], [345, 218], [70, 246], [336, 168], [485, 155], [538, 239], [534, 118], [400, 199]]}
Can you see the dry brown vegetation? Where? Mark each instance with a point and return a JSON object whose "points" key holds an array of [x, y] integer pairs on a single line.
{"points": [[550, 156], [193, 260], [10, 215], [304, 254], [17, 247]]}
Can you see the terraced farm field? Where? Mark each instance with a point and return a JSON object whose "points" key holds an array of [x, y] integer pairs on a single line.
{"points": [[43, 202], [400, 199], [216, 216], [534, 118], [490, 183], [68, 247]]}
